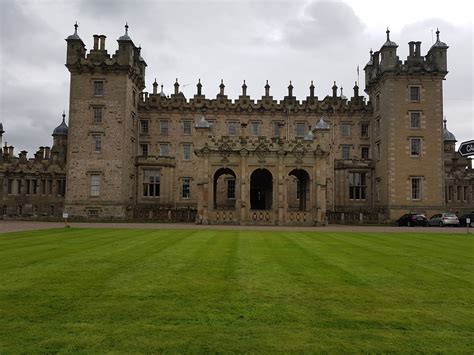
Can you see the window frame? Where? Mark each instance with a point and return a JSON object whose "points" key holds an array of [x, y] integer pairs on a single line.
{"points": [[96, 91], [164, 127], [186, 188], [94, 185], [97, 118], [151, 183], [144, 127], [411, 92], [345, 130], [362, 125], [357, 186], [345, 148], [416, 195], [256, 124], [411, 147], [300, 129], [186, 131], [96, 148], [412, 114], [186, 146]]}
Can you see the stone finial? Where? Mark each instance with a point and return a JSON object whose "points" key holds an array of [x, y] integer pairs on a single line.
{"points": [[155, 87], [199, 87], [356, 90], [267, 89], [334, 90], [221, 87], [176, 87], [244, 89], [290, 89], [311, 89], [388, 34]]}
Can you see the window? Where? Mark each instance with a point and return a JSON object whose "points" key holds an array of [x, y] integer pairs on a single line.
{"points": [[19, 186], [50, 187], [143, 126], [231, 189], [212, 127], [255, 128], [164, 127], [186, 151], [345, 152], [458, 194], [151, 183], [97, 113], [93, 213], [98, 88], [187, 127], [4, 210], [28, 187], [357, 187], [51, 210], [185, 191], [364, 153], [300, 129], [415, 188], [377, 127], [415, 147], [96, 143], [61, 187], [144, 149], [378, 151], [10, 186], [415, 120], [95, 185], [164, 150], [414, 93], [276, 129], [364, 130], [232, 128], [345, 130]]}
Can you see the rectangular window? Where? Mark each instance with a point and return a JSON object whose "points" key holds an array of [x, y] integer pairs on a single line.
{"points": [[459, 193], [466, 193], [231, 189], [28, 187], [61, 187], [144, 150], [97, 113], [164, 127], [187, 127], [414, 93], [300, 129], [377, 127], [255, 128], [50, 187], [19, 186], [95, 185], [364, 130], [97, 143], [232, 128], [186, 191], [151, 183], [10, 186], [276, 129], [93, 213], [144, 126], [345, 152], [415, 188], [357, 186], [98, 88], [415, 147], [212, 127], [186, 151], [378, 151], [364, 153], [415, 120], [345, 130], [164, 150]]}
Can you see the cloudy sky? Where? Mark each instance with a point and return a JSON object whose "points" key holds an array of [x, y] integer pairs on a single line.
{"points": [[233, 40]]}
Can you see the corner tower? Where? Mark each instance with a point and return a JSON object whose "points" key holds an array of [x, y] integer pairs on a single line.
{"points": [[407, 100], [102, 135]]}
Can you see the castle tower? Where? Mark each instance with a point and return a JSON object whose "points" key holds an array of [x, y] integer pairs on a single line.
{"points": [[59, 148], [102, 136], [407, 100]]}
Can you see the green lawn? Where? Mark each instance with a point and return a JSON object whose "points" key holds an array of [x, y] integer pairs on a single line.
{"points": [[111, 290]]}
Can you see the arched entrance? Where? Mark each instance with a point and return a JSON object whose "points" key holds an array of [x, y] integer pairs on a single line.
{"points": [[298, 190], [261, 190], [224, 189]]}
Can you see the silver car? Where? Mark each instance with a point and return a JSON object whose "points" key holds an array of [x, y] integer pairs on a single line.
{"points": [[444, 219]]}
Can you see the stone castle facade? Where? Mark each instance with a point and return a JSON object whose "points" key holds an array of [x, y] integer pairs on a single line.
{"points": [[130, 154]]}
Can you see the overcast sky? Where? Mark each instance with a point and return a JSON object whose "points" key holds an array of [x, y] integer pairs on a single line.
{"points": [[234, 40]]}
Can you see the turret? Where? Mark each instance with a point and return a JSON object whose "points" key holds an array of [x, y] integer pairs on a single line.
{"points": [[60, 133], [438, 54], [388, 54], [76, 49]]}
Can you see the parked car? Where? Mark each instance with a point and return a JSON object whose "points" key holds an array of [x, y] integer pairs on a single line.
{"points": [[412, 219], [444, 219], [462, 220]]}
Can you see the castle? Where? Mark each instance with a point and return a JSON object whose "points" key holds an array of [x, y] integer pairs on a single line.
{"points": [[129, 154]]}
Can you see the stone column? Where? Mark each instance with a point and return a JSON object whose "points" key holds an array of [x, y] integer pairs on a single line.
{"points": [[281, 191], [243, 188]]}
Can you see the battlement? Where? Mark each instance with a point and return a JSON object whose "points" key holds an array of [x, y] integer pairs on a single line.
{"points": [[158, 101], [385, 61]]}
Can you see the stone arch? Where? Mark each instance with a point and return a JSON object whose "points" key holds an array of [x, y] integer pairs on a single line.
{"points": [[298, 190], [261, 189], [224, 189]]}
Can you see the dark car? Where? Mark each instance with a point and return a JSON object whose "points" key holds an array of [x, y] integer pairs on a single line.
{"points": [[462, 220], [412, 219]]}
